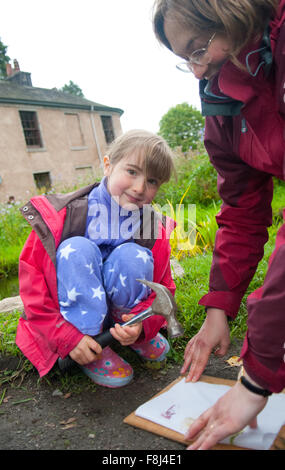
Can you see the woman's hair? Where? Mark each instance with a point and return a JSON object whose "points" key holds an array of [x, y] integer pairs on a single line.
{"points": [[240, 20], [156, 155]]}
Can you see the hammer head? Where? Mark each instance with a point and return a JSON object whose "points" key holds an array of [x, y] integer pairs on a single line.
{"points": [[165, 305]]}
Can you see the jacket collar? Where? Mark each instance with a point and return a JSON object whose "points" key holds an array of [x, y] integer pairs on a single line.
{"points": [[217, 104], [231, 88], [59, 201]]}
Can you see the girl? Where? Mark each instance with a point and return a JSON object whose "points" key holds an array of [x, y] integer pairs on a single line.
{"points": [[236, 50], [79, 266]]}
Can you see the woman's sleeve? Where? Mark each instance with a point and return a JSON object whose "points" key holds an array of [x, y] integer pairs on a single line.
{"points": [[243, 220]]}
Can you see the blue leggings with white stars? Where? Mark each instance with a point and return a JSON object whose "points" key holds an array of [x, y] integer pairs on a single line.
{"points": [[90, 290]]}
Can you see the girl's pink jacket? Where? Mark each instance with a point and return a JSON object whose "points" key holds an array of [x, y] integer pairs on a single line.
{"points": [[43, 335]]}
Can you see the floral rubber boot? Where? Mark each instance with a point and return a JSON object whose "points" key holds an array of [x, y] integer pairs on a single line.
{"points": [[154, 351], [110, 370]]}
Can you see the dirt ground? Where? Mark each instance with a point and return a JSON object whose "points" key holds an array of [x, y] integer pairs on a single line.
{"points": [[41, 415]]}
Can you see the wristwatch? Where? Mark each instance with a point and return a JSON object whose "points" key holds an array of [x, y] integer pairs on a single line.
{"points": [[252, 388]]}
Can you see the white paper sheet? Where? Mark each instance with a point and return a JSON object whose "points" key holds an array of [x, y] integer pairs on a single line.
{"points": [[181, 404]]}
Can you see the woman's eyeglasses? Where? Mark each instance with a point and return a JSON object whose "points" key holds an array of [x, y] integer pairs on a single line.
{"points": [[198, 57]]}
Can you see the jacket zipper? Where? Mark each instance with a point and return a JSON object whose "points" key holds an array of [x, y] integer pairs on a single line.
{"points": [[243, 126]]}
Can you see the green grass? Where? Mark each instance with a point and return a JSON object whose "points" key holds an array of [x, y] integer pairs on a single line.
{"points": [[13, 232], [8, 327]]}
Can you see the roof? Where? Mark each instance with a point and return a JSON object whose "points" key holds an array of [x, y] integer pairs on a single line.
{"points": [[12, 93]]}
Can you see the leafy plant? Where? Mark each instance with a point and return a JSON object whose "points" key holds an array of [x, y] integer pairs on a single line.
{"points": [[207, 227], [182, 243]]}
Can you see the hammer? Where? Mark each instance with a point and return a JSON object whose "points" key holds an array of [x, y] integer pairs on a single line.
{"points": [[163, 304]]}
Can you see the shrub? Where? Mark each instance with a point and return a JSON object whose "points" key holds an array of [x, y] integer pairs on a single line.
{"points": [[195, 170]]}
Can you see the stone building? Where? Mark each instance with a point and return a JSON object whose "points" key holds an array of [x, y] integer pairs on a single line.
{"points": [[49, 139]]}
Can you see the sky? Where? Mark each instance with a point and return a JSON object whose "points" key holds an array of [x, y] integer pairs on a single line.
{"points": [[106, 47]]}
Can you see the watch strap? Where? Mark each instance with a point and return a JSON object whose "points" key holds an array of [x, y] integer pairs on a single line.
{"points": [[253, 388]]}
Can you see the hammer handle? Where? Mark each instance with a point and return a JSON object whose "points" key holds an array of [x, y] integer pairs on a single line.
{"points": [[104, 339]]}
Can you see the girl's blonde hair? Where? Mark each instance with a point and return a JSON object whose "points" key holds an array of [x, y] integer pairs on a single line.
{"points": [[156, 155], [240, 20]]}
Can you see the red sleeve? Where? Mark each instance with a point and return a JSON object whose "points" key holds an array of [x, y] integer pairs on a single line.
{"points": [[243, 220], [162, 275], [263, 351], [43, 335]]}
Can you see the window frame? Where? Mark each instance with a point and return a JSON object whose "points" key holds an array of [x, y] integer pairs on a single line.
{"points": [[39, 186], [82, 145], [31, 131], [109, 132]]}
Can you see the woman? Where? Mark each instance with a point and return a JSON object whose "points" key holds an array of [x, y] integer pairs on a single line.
{"points": [[236, 49]]}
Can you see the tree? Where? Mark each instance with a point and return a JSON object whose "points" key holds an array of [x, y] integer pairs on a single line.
{"points": [[4, 59], [72, 88], [183, 126]]}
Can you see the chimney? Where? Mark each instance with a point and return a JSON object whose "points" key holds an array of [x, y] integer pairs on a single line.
{"points": [[9, 70], [16, 66], [15, 75]]}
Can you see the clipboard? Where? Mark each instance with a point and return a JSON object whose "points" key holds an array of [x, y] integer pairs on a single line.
{"points": [[149, 426]]}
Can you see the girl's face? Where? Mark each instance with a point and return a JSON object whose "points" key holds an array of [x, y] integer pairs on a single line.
{"points": [[184, 42], [127, 182]]}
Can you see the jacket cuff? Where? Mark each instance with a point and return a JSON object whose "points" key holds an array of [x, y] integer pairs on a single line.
{"points": [[224, 300], [68, 341], [266, 378]]}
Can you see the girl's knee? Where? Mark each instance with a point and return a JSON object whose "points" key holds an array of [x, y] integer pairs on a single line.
{"points": [[78, 246], [133, 259], [124, 266]]}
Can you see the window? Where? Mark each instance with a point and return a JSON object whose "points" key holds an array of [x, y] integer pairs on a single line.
{"points": [[74, 130], [43, 180], [31, 130], [107, 124]]}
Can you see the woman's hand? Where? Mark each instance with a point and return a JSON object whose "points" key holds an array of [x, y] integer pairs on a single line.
{"points": [[214, 333], [87, 350], [231, 413], [126, 335]]}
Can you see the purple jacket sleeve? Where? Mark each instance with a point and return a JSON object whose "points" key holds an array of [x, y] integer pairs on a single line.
{"points": [[243, 220], [263, 351]]}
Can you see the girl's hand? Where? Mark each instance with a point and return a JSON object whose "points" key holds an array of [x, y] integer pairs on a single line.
{"points": [[214, 333], [126, 335], [231, 413], [87, 350]]}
